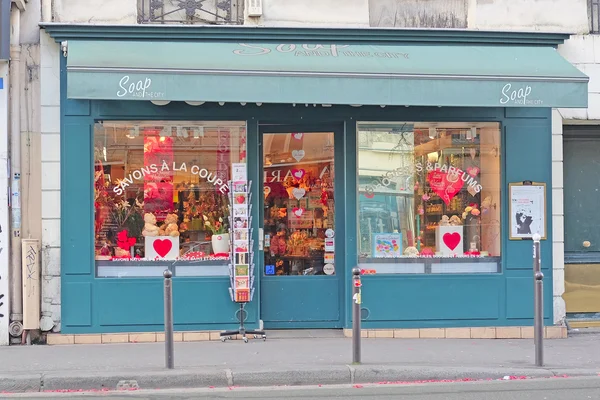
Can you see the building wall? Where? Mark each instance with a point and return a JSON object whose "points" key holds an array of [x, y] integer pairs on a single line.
{"points": [[50, 185], [4, 227], [520, 15]]}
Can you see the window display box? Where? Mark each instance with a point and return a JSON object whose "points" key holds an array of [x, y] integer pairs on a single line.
{"points": [[162, 247], [449, 240]]}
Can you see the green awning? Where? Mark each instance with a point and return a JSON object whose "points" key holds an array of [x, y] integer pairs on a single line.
{"points": [[409, 75]]}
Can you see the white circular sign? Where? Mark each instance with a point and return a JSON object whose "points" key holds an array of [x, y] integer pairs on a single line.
{"points": [[329, 233], [329, 269]]}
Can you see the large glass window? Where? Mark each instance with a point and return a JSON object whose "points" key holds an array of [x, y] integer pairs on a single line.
{"points": [[429, 197], [161, 196]]}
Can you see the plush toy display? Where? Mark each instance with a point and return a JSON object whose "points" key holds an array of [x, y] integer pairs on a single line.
{"points": [[150, 228], [170, 228], [445, 221], [411, 251], [455, 220]]}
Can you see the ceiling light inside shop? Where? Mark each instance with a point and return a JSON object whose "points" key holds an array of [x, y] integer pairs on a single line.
{"points": [[432, 132], [221, 103], [194, 103], [166, 131], [133, 132], [198, 132], [433, 157]]}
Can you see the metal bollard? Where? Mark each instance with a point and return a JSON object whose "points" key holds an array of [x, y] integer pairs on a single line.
{"points": [[538, 316], [356, 331], [169, 356]]}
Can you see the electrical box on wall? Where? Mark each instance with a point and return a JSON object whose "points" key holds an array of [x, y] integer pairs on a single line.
{"points": [[254, 8]]}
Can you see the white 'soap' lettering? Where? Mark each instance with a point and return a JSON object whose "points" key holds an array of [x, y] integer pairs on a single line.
{"points": [[519, 95], [138, 87], [243, 53]]}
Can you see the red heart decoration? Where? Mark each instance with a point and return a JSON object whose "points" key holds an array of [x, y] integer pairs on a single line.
{"points": [[162, 246], [298, 173], [369, 195], [298, 212], [442, 186], [451, 240], [473, 171]]}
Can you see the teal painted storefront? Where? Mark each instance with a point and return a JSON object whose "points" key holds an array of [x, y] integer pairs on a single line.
{"points": [[99, 305]]}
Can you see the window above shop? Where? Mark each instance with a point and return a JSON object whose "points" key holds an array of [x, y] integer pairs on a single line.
{"points": [[190, 12], [429, 197]]}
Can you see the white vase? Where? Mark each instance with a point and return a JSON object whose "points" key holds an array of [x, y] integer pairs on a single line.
{"points": [[220, 243]]}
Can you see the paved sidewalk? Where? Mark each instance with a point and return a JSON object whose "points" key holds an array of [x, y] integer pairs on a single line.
{"points": [[289, 361]]}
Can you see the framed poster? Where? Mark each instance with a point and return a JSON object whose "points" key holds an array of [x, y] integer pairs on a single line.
{"points": [[387, 245], [527, 210]]}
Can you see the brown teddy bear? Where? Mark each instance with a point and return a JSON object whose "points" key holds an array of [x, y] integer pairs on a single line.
{"points": [[170, 228]]}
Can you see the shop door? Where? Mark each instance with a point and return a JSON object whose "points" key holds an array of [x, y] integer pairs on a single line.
{"points": [[582, 235], [300, 277]]}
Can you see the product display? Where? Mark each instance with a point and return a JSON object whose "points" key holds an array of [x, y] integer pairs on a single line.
{"points": [[164, 187], [436, 194]]}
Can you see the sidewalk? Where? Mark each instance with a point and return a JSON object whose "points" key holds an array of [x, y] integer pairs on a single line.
{"points": [[283, 360]]}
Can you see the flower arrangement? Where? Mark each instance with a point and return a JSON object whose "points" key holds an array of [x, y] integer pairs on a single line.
{"points": [[471, 209], [215, 224], [129, 215]]}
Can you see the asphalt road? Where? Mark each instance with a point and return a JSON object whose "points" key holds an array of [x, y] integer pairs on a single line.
{"points": [[534, 389]]}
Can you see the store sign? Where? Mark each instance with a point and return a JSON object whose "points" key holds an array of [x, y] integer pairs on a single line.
{"points": [[139, 174], [141, 88], [518, 95], [314, 50]]}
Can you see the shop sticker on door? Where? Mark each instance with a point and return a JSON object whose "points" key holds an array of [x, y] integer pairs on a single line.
{"points": [[329, 269], [329, 244], [298, 193], [269, 270], [298, 154], [298, 173], [329, 258]]}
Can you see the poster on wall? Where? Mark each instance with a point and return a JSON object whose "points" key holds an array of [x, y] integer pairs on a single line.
{"points": [[527, 210], [387, 245]]}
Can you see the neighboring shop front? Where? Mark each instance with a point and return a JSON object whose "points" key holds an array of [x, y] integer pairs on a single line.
{"points": [[365, 148], [582, 236]]}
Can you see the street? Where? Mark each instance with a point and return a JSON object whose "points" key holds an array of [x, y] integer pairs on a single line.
{"points": [[533, 389]]}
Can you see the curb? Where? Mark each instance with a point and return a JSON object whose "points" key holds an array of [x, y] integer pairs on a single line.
{"points": [[273, 376]]}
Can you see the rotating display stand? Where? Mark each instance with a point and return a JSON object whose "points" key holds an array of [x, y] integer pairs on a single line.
{"points": [[241, 267]]}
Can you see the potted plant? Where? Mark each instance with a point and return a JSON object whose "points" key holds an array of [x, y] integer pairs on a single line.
{"points": [[220, 232]]}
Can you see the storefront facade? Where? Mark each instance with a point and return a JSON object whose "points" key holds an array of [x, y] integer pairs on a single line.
{"points": [[366, 150]]}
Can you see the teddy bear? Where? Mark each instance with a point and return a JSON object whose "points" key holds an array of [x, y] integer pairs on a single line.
{"points": [[455, 220], [445, 221], [150, 228], [170, 228], [411, 251]]}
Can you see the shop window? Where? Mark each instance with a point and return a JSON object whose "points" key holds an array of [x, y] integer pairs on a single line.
{"points": [[162, 196], [429, 197]]}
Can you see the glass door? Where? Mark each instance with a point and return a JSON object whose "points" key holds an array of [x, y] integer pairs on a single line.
{"points": [[299, 281]]}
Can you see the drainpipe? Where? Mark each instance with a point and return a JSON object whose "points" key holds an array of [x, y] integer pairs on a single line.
{"points": [[16, 290]]}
